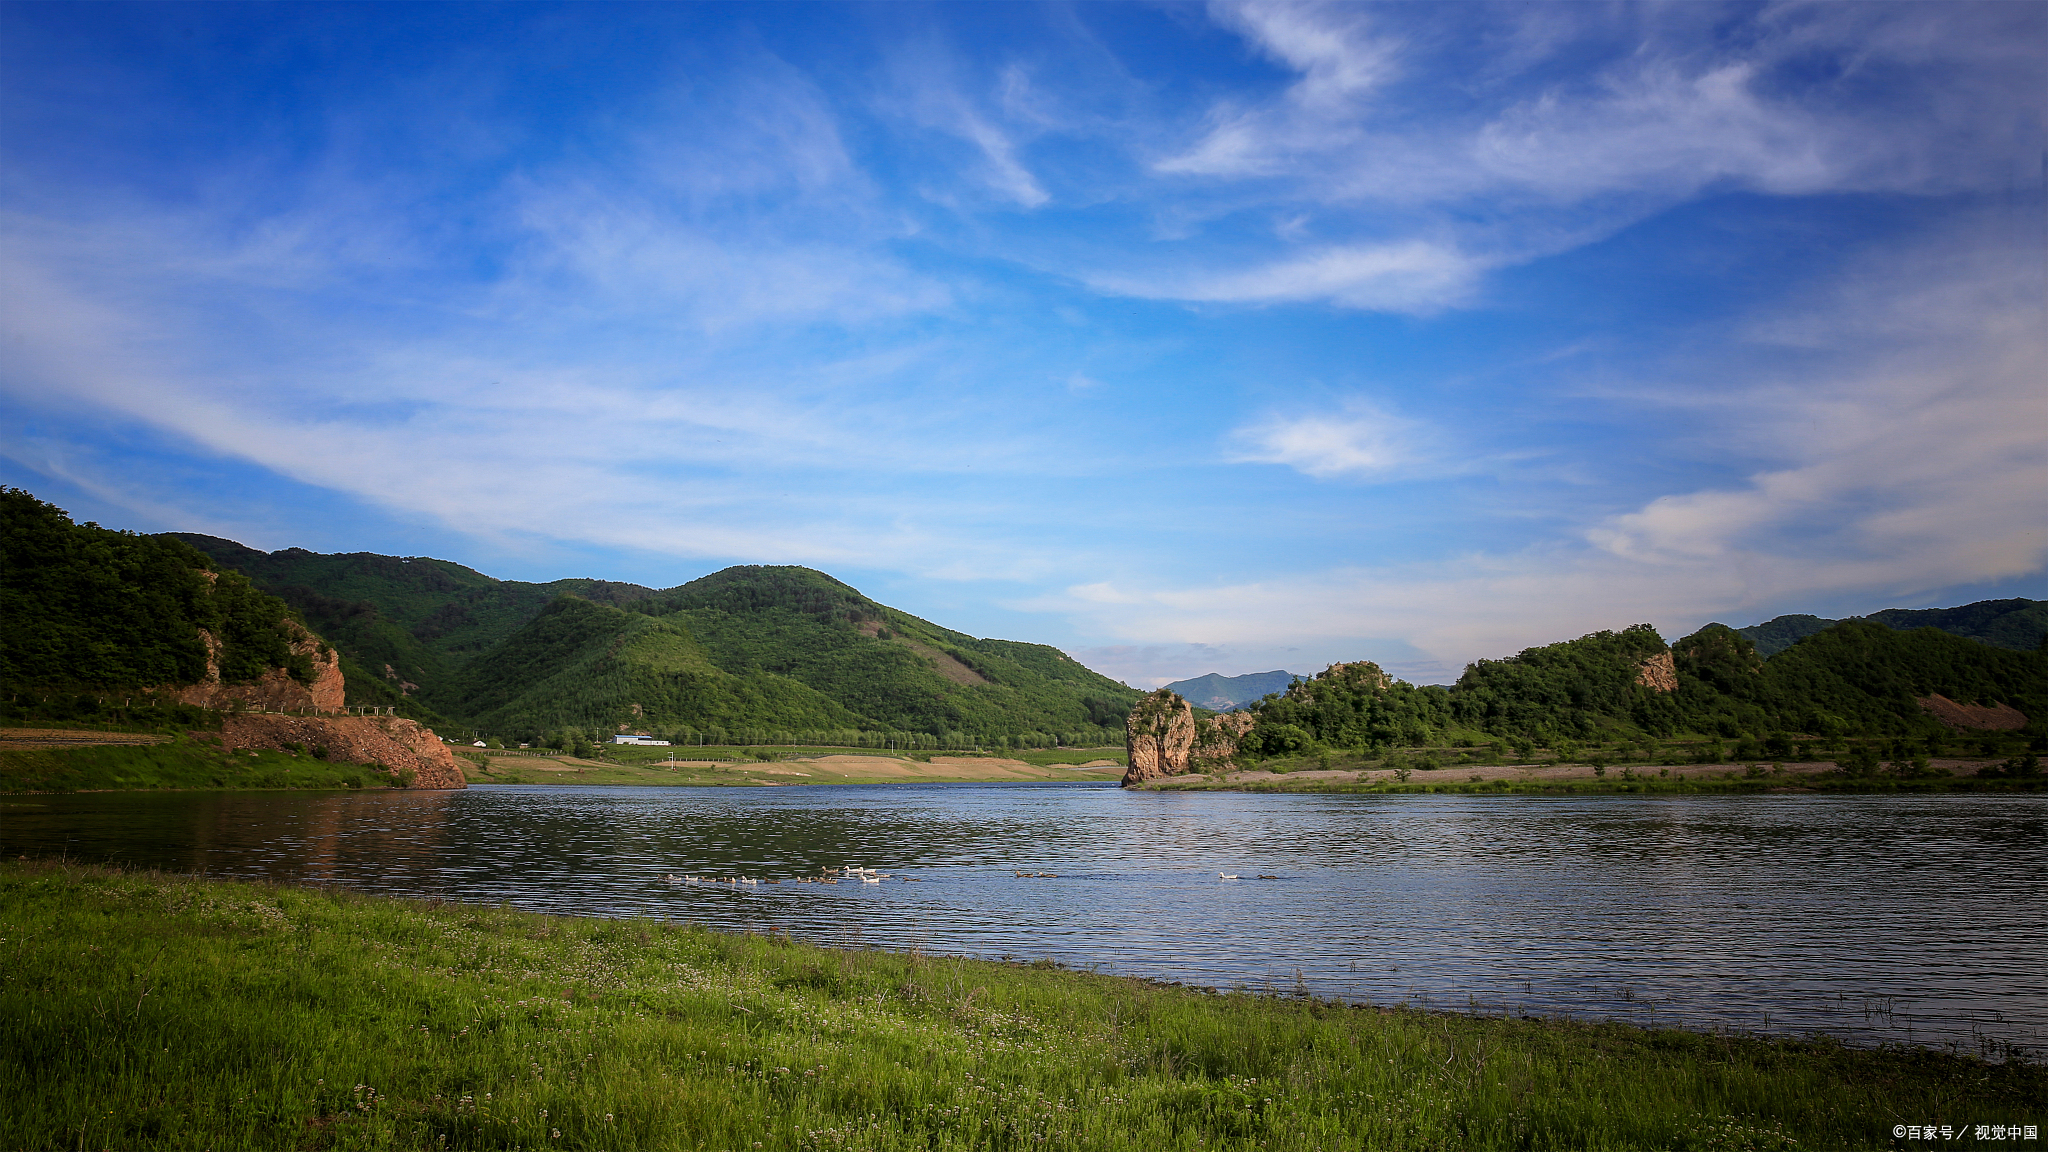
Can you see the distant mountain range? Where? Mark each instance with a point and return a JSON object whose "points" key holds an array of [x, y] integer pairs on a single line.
{"points": [[2017, 624], [1229, 693]]}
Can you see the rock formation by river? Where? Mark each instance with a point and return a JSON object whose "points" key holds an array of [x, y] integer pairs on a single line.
{"points": [[1163, 738], [1158, 737], [413, 755]]}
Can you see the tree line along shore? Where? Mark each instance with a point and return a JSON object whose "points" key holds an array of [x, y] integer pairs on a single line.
{"points": [[130, 757], [150, 1010]]}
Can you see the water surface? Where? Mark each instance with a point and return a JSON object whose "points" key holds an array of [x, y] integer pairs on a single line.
{"points": [[1873, 918]]}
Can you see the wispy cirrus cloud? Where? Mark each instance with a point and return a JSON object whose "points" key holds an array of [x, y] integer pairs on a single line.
{"points": [[929, 88], [1519, 164], [1414, 276], [1671, 108]]}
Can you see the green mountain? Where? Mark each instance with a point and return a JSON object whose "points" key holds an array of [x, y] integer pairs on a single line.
{"points": [[1228, 693], [405, 625], [2018, 624], [746, 653], [1854, 676], [1775, 635], [2021, 625]]}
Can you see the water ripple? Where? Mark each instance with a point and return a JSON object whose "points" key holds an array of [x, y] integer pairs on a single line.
{"points": [[1872, 918]]}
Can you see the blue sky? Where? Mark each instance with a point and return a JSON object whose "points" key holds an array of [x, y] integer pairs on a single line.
{"points": [[1187, 338]]}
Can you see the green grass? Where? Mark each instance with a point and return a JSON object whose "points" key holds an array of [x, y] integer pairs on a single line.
{"points": [[181, 763], [148, 1011], [642, 754]]}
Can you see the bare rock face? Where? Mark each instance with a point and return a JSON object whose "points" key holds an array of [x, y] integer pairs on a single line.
{"points": [[413, 755], [1999, 717], [275, 689], [1658, 673], [1159, 737], [1216, 741]]}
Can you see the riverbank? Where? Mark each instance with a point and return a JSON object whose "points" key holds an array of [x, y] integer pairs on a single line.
{"points": [[1981, 774], [684, 767], [168, 763], [145, 1010], [71, 760]]}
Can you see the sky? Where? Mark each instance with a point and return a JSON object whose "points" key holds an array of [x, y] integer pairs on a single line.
{"points": [[1187, 338]]}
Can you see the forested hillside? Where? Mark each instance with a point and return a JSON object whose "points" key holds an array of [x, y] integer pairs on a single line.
{"points": [[1854, 678], [88, 608], [750, 653], [405, 623]]}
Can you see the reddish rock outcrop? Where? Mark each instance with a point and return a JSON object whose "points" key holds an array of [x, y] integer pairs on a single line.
{"points": [[2000, 717], [275, 689], [1158, 737], [411, 754], [1658, 673]]}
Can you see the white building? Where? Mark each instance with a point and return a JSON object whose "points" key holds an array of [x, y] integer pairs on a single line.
{"points": [[640, 740]]}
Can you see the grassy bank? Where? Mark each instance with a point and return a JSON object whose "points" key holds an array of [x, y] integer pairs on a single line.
{"points": [[2018, 773], [178, 763], [139, 1010], [1723, 780]]}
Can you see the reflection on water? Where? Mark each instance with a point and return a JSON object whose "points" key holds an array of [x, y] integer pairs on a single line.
{"points": [[1915, 918]]}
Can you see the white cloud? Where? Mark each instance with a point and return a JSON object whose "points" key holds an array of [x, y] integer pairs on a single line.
{"points": [[1413, 276], [1333, 46], [931, 94], [1360, 440], [1674, 109], [1517, 163], [1912, 449]]}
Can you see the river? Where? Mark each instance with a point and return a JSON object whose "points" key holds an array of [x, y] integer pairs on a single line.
{"points": [[1918, 919]]}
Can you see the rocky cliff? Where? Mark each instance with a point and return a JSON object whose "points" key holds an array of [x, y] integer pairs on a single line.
{"points": [[276, 689], [1216, 740], [414, 756], [1158, 737], [1659, 673]]}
